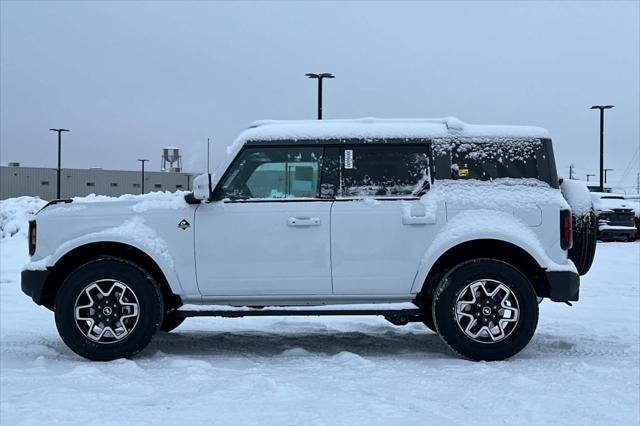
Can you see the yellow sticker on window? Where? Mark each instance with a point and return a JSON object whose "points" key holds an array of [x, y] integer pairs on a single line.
{"points": [[463, 172]]}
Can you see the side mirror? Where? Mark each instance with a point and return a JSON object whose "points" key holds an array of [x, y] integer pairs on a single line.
{"points": [[202, 187]]}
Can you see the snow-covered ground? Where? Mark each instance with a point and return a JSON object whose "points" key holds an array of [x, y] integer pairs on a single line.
{"points": [[582, 366]]}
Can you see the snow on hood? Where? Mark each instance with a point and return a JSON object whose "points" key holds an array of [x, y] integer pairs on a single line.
{"points": [[608, 202], [138, 203]]}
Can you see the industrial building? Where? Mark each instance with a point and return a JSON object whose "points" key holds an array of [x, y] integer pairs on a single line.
{"points": [[16, 181]]}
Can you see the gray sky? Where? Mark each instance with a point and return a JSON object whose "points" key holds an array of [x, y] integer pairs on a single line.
{"points": [[130, 78]]}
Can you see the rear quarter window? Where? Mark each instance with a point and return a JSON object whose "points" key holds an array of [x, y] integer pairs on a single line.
{"points": [[487, 159]]}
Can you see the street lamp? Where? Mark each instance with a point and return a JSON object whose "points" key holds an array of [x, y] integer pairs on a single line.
{"points": [[320, 77], [601, 108], [59, 157], [142, 161], [605, 174]]}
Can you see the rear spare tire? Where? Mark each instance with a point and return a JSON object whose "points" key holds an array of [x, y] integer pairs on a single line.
{"points": [[584, 223]]}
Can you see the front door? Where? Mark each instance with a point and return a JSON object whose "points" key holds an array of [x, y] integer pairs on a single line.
{"points": [[268, 233]]}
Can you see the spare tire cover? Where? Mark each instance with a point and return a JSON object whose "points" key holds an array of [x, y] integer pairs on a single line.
{"points": [[585, 224]]}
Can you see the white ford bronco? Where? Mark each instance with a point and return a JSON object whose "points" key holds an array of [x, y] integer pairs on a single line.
{"points": [[465, 228]]}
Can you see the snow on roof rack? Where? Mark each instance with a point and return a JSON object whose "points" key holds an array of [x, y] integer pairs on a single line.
{"points": [[452, 123]]}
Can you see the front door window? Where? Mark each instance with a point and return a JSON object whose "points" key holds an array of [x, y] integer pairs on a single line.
{"points": [[273, 173]]}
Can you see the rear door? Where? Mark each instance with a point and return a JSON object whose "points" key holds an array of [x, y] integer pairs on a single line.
{"points": [[379, 227], [269, 232]]}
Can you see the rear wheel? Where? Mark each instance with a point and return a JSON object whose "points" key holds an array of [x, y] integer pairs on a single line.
{"points": [[485, 309], [107, 309]]}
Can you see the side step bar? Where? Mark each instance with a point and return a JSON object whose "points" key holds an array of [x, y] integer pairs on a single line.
{"points": [[399, 314], [254, 312]]}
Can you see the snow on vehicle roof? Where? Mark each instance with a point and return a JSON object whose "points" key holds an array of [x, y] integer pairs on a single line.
{"points": [[378, 128]]}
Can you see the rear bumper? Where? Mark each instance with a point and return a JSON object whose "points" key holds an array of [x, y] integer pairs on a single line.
{"points": [[32, 284], [564, 286]]}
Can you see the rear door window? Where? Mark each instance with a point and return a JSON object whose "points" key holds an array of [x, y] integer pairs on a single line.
{"points": [[382, 171]]}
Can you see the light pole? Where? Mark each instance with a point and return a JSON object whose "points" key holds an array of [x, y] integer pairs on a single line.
{"points": [[589, 174], [601, 108], [142, 161], [320, 77], [605, 175], [59, 131]]}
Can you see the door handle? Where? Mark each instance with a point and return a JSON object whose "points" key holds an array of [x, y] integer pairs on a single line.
{"points": [[419, 220], [303, 221]]}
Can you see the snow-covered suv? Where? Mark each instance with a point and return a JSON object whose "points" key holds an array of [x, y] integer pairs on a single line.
{"points": [[462, 227], [616, 217]]}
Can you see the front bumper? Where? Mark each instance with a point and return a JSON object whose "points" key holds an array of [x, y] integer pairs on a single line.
{"points": [[564, 286], [32, 284], [617, 233]]}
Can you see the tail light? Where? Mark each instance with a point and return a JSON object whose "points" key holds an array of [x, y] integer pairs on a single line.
{"points": [[566, 231], [32, 237]]}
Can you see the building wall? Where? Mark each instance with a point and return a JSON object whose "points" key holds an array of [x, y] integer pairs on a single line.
{"points": [[41, 182]]}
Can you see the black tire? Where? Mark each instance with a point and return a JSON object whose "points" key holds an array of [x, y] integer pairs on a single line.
{"points": [[108, 273], [170, 322], [455, 284]]}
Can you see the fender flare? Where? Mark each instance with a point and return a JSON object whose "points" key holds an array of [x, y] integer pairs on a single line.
{"points": [[481, 225], [165, 265]]}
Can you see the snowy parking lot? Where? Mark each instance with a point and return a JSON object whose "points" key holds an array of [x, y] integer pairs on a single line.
{"points": [[582, 366]]}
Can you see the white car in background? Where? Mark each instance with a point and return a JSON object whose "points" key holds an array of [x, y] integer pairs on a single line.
{"points": [[461, 227], [616, 217]]}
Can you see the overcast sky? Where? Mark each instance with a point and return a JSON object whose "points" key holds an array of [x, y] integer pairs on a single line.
{"points": [[129, 78]]}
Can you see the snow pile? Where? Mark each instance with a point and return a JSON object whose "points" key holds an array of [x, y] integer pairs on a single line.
{"points": [[15, 214], [577, 195], [581, 367]]}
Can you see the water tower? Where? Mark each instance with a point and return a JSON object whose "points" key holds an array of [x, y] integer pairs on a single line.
{"points": [[171, 160]]}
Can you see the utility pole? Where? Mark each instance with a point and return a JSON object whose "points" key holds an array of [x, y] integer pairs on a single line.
{"points": [[605, 175], [602, 172], [589, 174], [320, 76], [142, 161], [208, 170], [59, 157], [637, 183], [571, 171]]}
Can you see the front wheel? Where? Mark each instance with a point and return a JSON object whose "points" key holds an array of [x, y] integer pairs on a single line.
{"points": [[108, 308], [485, 309]]}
